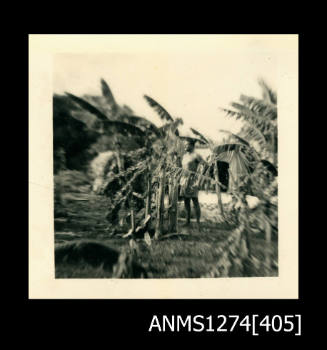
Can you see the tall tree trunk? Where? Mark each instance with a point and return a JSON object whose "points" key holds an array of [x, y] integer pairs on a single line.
{"points": [[132, 217], [121, 167], [173, 200], [160, 203], [173, 210], [120, 161], [149, 195], [244, 242], [220, 205]]}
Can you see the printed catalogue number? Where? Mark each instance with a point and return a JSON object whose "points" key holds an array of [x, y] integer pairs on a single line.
{"points": [[254, 324]]}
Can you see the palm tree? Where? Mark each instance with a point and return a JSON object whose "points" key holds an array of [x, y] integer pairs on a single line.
{"points": [[115, 123], [260, 121], [259, 136], [172, 153], [169, 130]]}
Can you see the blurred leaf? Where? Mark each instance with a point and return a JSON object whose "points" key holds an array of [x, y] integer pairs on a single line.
{"points": [[197, 133], [106, 92], [238, 138], [164, 115]]}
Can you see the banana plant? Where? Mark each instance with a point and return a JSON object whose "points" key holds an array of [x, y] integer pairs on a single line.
{"points": [[165, 116], [260, 120], [259, 132], [172, 154], [127, 126]]}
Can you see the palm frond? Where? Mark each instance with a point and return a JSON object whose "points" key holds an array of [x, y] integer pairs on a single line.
{"points": [[249, 114], [124, 129], [197, 133], [243, 161], [192, 139], [260, 107], [142, 123], [88, 106], [164, 115], [171, 126], [110, 126], [107, 94], [248, 152], [267, 92], [244, 113], [229, 147], [253, 134], [238, 138], [269, 166]]}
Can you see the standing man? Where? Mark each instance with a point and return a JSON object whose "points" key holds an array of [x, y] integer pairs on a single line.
{"points": [[189, 182]]}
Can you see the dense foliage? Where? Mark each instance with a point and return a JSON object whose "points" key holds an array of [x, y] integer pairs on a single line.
{"points": [[136, 165], [71, 138]]}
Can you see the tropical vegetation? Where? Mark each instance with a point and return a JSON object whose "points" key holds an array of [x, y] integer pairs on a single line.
{"points": [[140, 177]]}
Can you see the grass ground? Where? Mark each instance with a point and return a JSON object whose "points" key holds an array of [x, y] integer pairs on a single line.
{"points": [[190, 255]]}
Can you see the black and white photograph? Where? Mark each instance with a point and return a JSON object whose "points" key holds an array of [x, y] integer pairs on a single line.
{"points": [[165, 161]]}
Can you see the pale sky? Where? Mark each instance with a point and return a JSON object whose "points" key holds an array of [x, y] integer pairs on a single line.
{"points": [[191, 86]]}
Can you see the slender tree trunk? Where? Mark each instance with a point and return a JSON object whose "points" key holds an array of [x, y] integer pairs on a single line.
{"points": [[173, 200], [120, 161], [132, 217], [122, 207], [149, 195], [245, 242], [160, 203], [245, 239], [220, 205], [173, 210]]}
